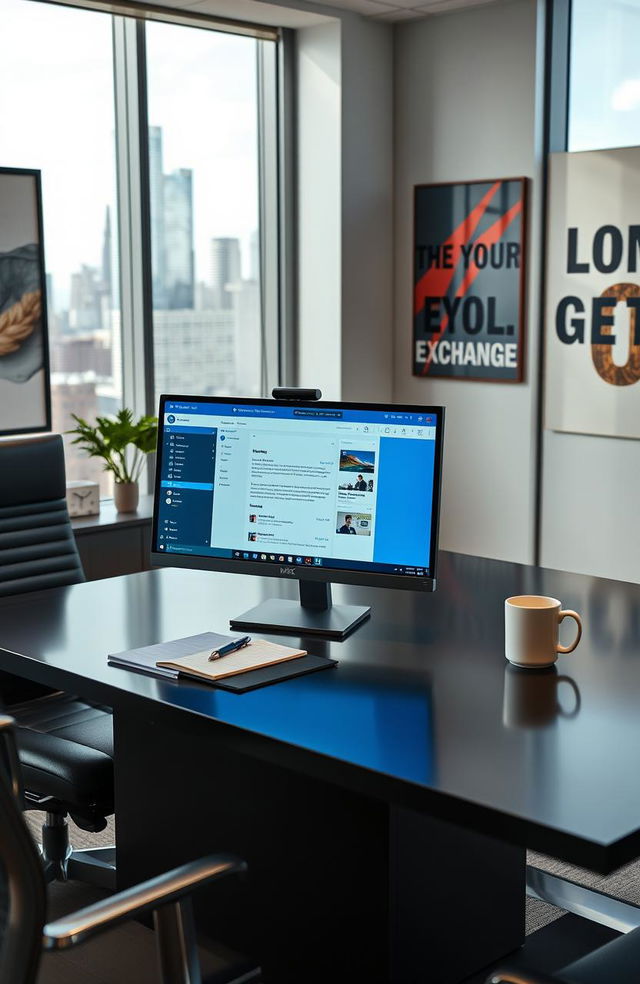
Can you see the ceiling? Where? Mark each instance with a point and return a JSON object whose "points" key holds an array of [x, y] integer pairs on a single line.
{"points": [[287, 15], [399, 10]]}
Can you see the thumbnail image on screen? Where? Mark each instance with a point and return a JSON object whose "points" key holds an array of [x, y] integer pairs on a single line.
{"points": [[358, 523], [357, 461]]}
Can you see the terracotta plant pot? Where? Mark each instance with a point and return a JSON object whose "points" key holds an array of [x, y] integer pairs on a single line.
{"points": [[126, 495]]}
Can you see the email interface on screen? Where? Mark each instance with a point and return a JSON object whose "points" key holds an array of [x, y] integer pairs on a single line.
{"points": [[284, 484]]}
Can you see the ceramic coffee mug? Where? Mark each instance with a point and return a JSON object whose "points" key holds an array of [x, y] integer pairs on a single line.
{"points": [[531, 630]]}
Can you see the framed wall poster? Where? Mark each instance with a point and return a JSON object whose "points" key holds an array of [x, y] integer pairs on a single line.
{"points": [[25, 402], [469, 279], [592, 308]]}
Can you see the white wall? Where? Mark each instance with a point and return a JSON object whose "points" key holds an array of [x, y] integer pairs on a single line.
{"points": [[319, 113], [465, 108], [591, 490], [345, 207], [367, 210]]}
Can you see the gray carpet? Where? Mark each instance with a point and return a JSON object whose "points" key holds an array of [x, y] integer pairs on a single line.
{"points": [[80, 839], [623, 884]]}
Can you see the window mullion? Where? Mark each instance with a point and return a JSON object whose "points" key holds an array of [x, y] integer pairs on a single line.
{"points": [[137, 358], [267, 77]]}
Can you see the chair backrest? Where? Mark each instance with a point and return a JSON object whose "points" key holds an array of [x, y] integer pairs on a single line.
{"points": [[37, 545], [22, 884]]}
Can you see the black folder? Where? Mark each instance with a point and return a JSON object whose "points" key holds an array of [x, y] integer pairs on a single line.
{"points": [[266, 675]]}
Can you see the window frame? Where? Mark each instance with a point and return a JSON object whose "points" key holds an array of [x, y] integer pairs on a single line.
{"points": [[276, 196]]}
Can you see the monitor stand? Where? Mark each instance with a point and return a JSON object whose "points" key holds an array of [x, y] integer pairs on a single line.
{"points": [[312, 615]]}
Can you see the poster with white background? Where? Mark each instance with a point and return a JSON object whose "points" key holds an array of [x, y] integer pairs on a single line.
{"points": [[592, 322]]}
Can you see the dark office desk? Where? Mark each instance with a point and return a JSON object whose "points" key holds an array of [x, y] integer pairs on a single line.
{"points": [[383, 806]]}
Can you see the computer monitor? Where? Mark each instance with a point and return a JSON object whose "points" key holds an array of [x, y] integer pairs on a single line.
{"points": [[314, 491]]}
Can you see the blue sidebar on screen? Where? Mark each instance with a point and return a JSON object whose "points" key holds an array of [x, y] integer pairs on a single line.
{"points": [[403, 508]]}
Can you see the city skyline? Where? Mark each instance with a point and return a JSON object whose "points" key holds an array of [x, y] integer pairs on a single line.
{"points": [[201, 91], [60, 120], [225, 267], [174, 271], [200, 328], [60, 293], [211, 347]]}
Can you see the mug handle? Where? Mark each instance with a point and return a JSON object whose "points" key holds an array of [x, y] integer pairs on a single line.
{"points": [[570, 614]]}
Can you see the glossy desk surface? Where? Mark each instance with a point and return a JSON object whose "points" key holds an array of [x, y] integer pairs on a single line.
{"points": [[422, 710]]}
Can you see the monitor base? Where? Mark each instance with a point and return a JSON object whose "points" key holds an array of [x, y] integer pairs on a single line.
{"points": [[278, 615]]}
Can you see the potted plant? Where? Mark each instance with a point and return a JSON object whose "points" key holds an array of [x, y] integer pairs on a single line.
{"points": [[123, 445]]}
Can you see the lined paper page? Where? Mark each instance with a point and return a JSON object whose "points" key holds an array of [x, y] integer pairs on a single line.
{"points": [[257, 654]]}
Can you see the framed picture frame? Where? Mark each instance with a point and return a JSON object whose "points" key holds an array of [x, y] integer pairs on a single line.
{"points": [[469, 279], [25, 391]]}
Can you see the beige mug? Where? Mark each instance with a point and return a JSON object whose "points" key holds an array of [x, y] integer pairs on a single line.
{"points": [[531, 625]]}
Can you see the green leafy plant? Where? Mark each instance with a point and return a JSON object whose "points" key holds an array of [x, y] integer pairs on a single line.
{"points": [[121, 442]]}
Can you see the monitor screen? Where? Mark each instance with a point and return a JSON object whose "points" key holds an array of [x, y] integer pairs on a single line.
{"points": [[343, 492]]}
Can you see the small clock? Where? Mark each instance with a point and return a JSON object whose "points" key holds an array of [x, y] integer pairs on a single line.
{"points": [[83, 498]]}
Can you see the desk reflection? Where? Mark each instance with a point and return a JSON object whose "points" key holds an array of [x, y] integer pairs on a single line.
{"points": [[353, 713]]}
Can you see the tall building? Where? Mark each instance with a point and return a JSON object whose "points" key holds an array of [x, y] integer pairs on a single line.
{"points": [[81, 353], [248, 344], [178, 239], [156, 194], [254, 256], [85, 308], [195, 352], [74, 393], [171, 204], [225, 270]]}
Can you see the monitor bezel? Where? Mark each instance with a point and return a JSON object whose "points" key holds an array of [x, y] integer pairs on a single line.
{"points": [[293, 571]]}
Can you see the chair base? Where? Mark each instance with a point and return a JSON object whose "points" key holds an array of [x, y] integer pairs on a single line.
{"points": [[95, 866]]}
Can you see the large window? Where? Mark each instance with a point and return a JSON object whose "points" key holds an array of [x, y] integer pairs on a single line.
{"points": [[203, 174], [56, 113], [604, 89], [70, 82]]}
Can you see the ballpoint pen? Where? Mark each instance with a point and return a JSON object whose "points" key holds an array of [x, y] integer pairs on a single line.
{"points": [[230, 647]]}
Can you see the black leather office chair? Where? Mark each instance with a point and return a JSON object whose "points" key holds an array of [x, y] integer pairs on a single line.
{"points": [[617, 962], [23, 933], [65, 745]]}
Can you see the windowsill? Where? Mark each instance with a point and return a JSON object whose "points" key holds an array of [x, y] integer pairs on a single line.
{"points": [[109, 517]]}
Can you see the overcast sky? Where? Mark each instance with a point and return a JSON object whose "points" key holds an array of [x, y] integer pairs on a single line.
{"points": [[605, 74], [56, 114]]}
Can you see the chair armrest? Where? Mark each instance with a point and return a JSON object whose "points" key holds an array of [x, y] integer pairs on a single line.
{"points": [[133, 902], [518, 977]]}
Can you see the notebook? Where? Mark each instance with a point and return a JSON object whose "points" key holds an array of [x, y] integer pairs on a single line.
{"points": [[258, 654], [145, 659]]}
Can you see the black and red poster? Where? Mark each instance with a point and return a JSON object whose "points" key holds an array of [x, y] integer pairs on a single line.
{"points": [[468, 298]]}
